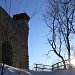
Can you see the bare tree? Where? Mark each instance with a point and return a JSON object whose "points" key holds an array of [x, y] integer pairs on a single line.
{"points": [[60, 17]]}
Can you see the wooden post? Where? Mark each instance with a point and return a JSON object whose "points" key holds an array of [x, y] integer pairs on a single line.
{"points": [[52, 67], [57, 66], [36, 67]]}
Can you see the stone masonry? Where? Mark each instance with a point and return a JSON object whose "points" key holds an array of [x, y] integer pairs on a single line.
{"points": [[14, 39]]}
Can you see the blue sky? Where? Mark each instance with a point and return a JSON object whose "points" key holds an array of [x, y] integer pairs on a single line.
{"points": [[37, 42]]}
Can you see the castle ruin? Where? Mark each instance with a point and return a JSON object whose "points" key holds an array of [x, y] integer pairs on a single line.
{"points": [[14, 39]]}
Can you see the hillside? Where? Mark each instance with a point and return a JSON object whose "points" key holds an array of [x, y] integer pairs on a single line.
{"points": [[8, 70]]}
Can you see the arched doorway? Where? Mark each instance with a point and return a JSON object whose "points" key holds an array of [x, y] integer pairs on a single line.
{"points": [[6, 53]]}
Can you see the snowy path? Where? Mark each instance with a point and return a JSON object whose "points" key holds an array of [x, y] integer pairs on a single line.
{"points": [[60, 72]]}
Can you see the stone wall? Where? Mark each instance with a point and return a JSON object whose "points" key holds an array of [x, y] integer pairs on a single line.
{"points": [[9, 32]]}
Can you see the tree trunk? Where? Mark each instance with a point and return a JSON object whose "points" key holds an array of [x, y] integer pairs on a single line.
{"points": [[64, 63], [2, 68], [61, 58]]}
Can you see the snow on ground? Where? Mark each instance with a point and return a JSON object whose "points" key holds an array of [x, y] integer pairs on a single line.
{"points": [[58, 72], [8, 70]]}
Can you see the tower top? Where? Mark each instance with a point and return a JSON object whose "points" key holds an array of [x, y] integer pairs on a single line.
{"points": [[21, 16]]}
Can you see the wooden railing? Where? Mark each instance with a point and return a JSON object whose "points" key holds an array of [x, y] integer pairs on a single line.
{"points": [[57, 66], [60, 65], [41, 67]]}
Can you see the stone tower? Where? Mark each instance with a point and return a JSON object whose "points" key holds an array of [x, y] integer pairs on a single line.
{"points": [[14, 39], [22, 29]]}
